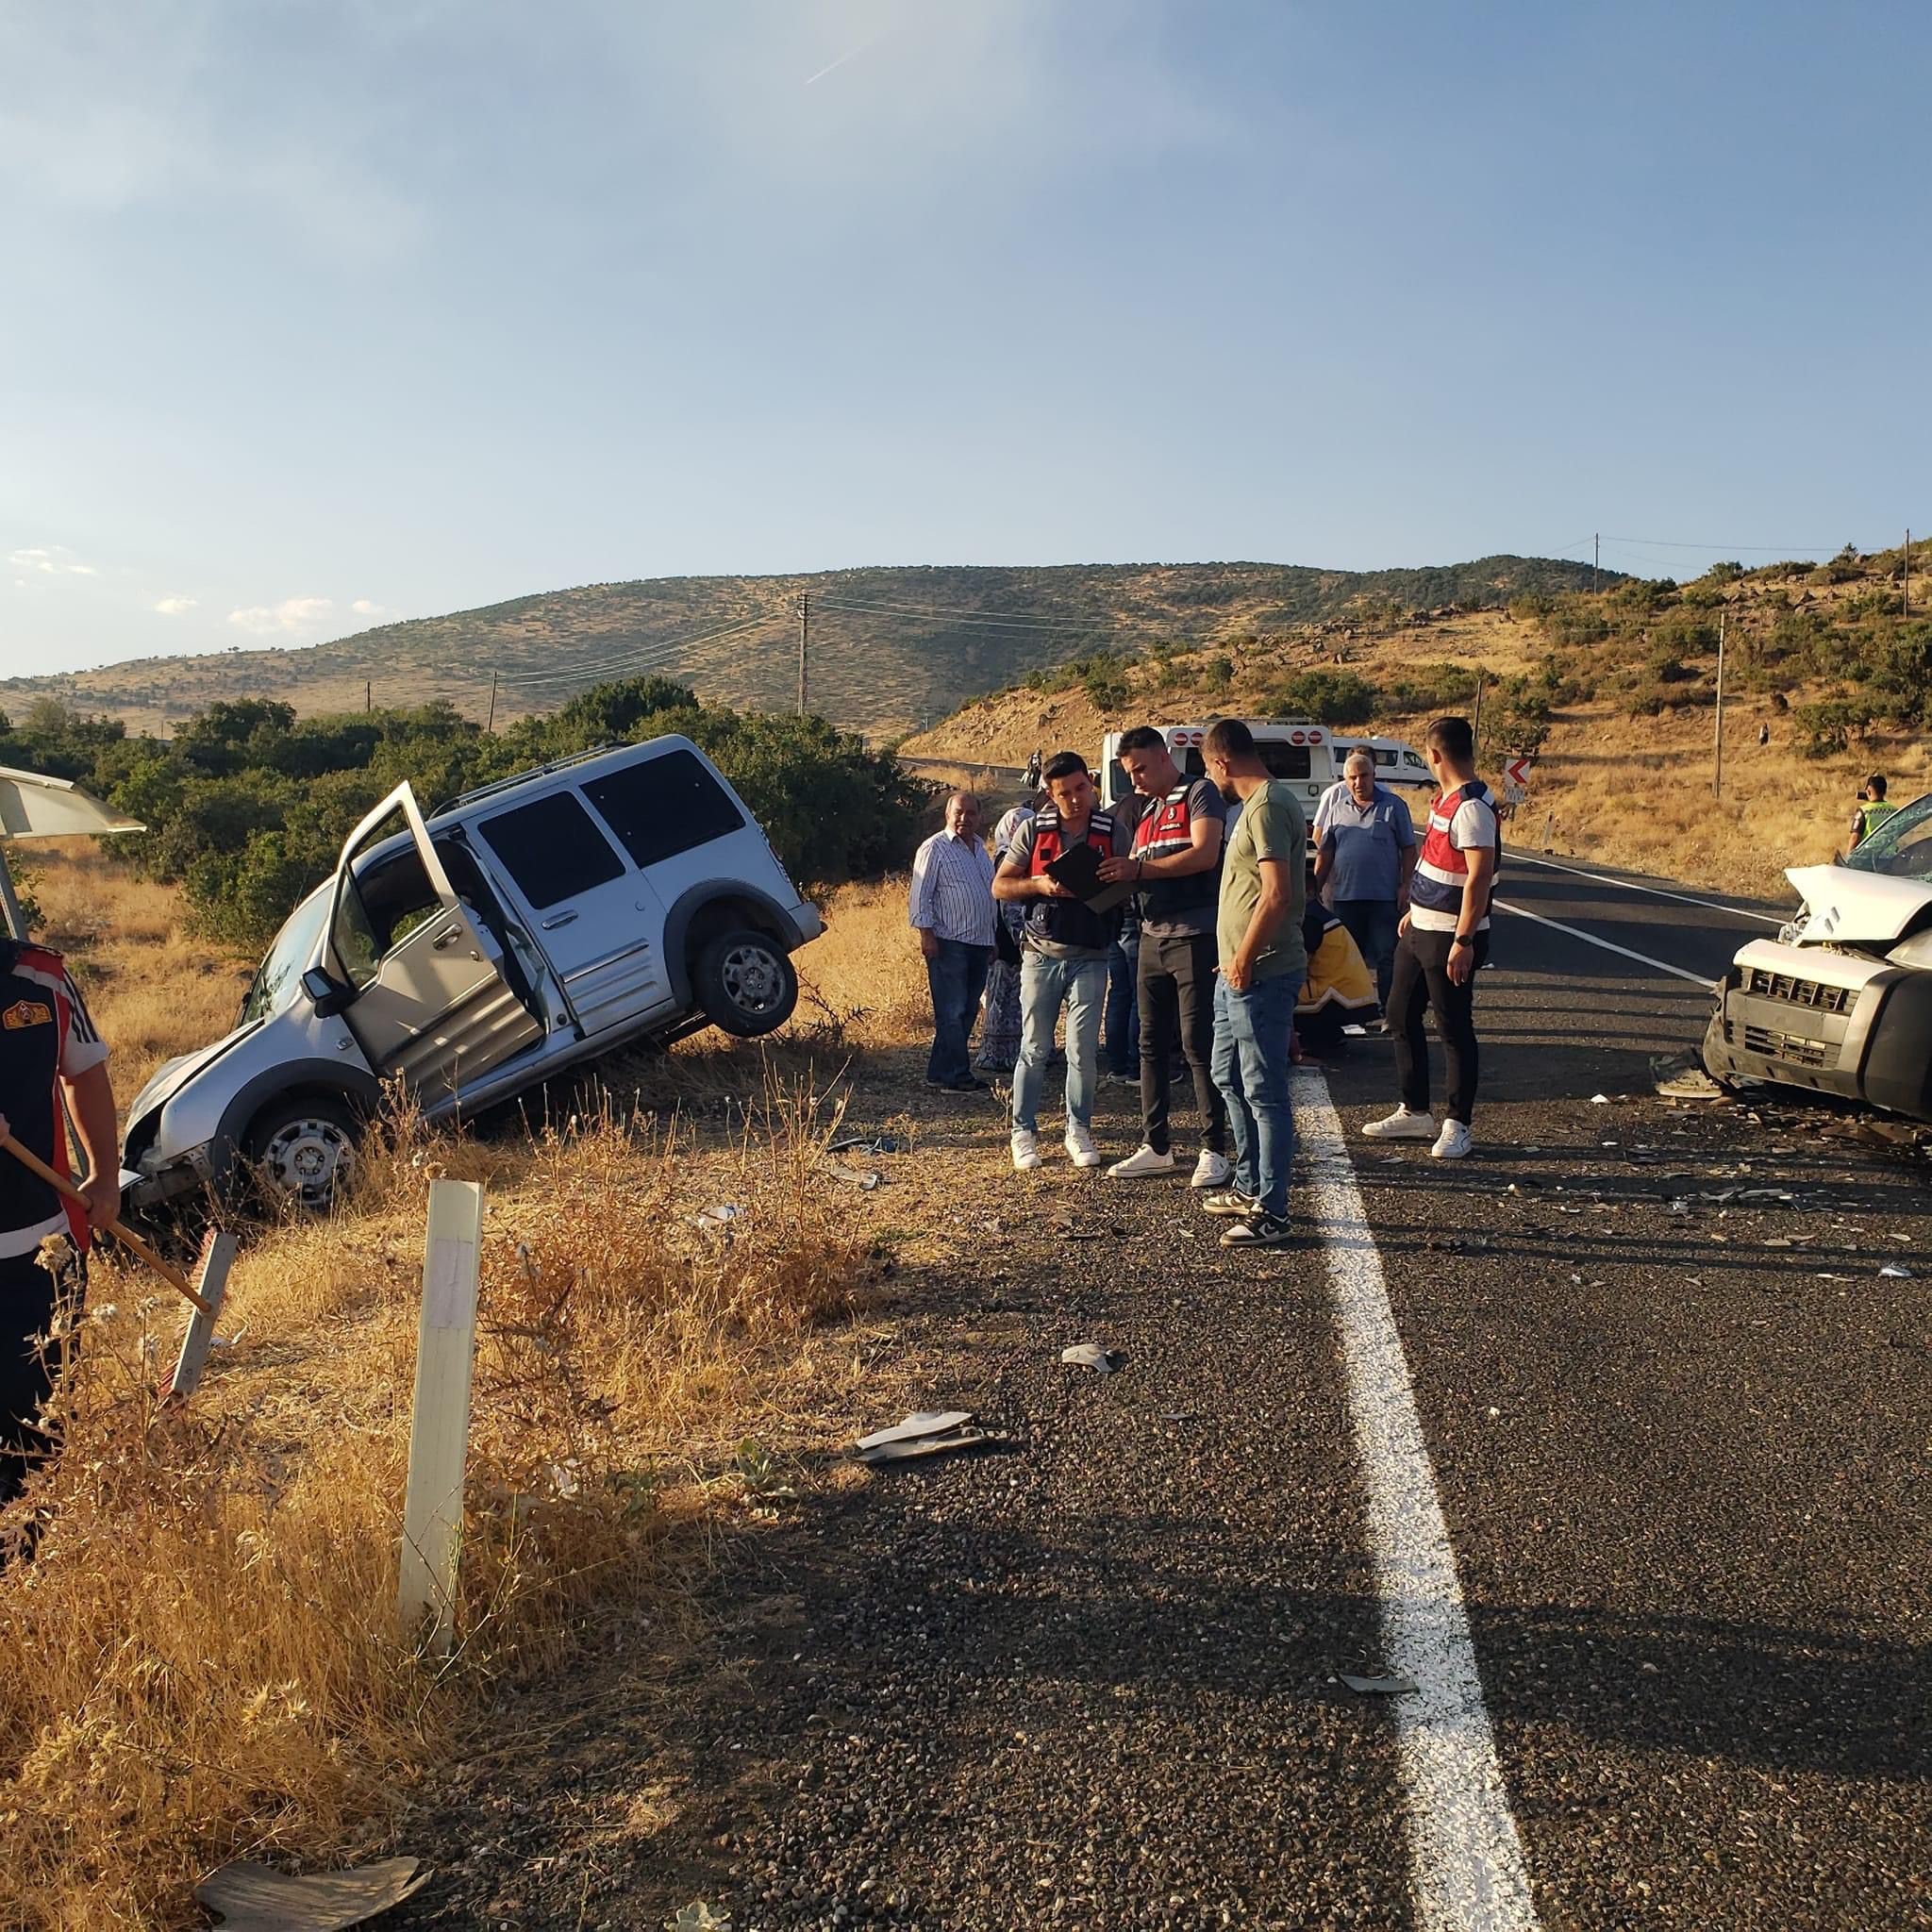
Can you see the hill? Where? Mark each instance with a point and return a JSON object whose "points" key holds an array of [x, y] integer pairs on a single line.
{"points": [[888, 648], [1827, 678]]}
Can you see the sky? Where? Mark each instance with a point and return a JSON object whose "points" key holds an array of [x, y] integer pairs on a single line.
{"points": [[316, 315]]}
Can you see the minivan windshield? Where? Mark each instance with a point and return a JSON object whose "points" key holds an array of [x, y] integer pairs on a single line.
{"points": [[1901, 848], [279, 975]]}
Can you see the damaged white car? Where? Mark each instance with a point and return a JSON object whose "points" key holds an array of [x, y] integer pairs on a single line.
{"points": [[1841, 1001]]}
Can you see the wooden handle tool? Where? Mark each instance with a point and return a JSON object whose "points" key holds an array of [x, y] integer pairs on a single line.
{"points": [[121, 1232]]}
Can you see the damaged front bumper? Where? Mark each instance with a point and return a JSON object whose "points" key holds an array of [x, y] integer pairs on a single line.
{"points": [[1835, 1022], [148, 1187]]}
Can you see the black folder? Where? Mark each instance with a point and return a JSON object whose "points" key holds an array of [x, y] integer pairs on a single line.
{"points": [[1078, 869]]}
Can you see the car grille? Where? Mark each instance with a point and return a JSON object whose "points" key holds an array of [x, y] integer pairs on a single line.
{"points": [[1814, 993], [1775, 1045]]}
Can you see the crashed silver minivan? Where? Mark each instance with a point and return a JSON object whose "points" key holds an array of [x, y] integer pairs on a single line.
{"points": [[615, 896], [1841, 1001]]}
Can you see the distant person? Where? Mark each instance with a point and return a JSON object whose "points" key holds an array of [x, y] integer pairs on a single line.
{"points": [[1175, 865], [952, 912], [1873, 810], [1258, 947], [1764, 734], [1364, 854], [999, 1030], [1033, 770], [1444, 938], [1064, 955], [48, 1051]]}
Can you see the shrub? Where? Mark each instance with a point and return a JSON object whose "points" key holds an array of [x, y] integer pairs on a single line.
{"points": [[1329, 697], [1828, 728]]}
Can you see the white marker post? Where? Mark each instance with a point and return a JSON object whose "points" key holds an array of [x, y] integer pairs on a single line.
{"points": [[440, 1425]]}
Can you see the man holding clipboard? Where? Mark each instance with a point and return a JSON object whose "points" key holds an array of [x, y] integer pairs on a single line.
{"points": [[1053, 868]]}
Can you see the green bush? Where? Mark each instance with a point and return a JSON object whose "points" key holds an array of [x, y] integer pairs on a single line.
{"points": [[1329, 697]]}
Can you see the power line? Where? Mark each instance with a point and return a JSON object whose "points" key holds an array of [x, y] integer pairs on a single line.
{"points": [[1768, 549], [652, 654], [943, 616]]}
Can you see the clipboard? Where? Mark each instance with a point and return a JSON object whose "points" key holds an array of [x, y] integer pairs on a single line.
{"points": [[1078, 869]]}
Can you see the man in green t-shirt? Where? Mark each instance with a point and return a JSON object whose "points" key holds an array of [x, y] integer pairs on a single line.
{"points": [[1262, 964]]}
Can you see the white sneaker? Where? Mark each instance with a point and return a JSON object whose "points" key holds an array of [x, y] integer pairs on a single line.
{"points": [[1212, 1169], [1402, 1125], [1079, 1144], [1143, 1164], [1025, 1150], [1452, 1144]]}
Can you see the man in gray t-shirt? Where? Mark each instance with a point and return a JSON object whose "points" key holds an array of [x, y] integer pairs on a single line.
{"points": [[1175, 868]]}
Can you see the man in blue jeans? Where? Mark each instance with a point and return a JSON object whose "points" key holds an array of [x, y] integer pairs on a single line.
{"points": [[1364, 855], [1062, 955], [952, 912], [1262, 964]]}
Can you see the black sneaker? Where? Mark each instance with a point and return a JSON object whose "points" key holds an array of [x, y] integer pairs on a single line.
{"points": [[1258, 1231]]}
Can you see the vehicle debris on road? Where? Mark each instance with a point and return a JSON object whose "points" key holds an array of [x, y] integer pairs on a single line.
{"points": [[1089, 1355]]}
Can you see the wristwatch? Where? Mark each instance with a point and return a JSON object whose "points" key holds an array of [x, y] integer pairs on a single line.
{"points": [[1462, 939]]}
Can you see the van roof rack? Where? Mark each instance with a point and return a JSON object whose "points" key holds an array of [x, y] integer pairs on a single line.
{"points": [[543, 770]]}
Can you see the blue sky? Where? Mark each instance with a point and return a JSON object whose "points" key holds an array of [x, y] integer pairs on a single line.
{"points": [[311, 314]]}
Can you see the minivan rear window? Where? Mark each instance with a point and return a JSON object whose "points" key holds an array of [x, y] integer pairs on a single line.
{"points": [[1282, 760], [663, 805], [552, 848]]}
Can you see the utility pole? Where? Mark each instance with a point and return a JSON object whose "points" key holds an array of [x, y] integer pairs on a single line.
{"points": [[1596, 561], [490, 723], [368, 702], [1717, 749], [1476, 729], [1906, 581], [804, 644]]}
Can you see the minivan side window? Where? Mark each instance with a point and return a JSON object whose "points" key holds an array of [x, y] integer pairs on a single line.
{"points": [[663, 805], [552, 848]]}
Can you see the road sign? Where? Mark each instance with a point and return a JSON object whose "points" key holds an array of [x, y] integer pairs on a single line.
{"points": [[1516, 776]]}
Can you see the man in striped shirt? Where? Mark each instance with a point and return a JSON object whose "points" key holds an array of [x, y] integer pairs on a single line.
{"points": [[953, 915], [1443, 939], [47, 1043]]}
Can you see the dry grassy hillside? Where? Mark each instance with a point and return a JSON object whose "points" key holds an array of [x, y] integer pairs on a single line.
{"points": [[199, 1662], [1610, 782], [888, 648]]}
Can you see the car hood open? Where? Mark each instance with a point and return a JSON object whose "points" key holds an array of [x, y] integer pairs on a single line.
{"points": [[1856, 908]]}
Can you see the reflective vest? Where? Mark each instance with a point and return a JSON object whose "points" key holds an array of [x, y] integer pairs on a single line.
{"points": [[1440, 869], [1872, 816], [1067, 922], [1167, 826]]}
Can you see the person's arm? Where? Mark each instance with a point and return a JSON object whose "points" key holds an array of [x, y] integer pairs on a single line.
{"points": [[1475, 908], [920, 913], [1324, 851], [1271, 909], [91, 1097]]}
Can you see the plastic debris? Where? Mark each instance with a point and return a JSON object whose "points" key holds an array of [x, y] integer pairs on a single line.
{"points": [[1088, 1354], [719, 1214], [1599, 1100], [929, 1445], [866, 1178], [1693, 1083], [256, 1898], [1892, 1272], [924, 1421], [1379, 1687], [867, 1144]]}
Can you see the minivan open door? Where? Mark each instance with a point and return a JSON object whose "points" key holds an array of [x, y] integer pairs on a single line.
{"points": [[429, 1001]]}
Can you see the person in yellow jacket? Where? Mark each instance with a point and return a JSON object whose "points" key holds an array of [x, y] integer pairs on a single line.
{"points": [[1340, 989], [1874, 809]]}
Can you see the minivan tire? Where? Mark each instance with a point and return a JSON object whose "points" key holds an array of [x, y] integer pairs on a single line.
{"points": [[300, 1151], [744, 982]]}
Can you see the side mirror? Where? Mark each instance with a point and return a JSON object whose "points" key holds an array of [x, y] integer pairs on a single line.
{"points": [[327, 996]]}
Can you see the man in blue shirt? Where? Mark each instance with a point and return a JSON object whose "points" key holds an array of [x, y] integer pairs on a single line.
{"points": [[1364, 854]]}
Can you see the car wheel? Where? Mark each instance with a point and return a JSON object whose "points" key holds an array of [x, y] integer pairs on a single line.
{"points": [[744, 982], [302, 1151]]}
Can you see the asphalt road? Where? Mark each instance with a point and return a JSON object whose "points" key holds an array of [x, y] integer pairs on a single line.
{"points": [[1625, 1469]]}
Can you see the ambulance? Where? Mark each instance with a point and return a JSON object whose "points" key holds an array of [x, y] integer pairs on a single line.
{"points": [[1307, 756]]}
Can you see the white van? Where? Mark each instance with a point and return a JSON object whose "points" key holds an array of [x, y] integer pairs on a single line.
{"points": [[617, 895], [1309, 756]]}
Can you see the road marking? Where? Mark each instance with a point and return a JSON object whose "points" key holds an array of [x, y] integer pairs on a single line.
{"points": [[1577, 932], [1603, 878], [1465, 1858]]}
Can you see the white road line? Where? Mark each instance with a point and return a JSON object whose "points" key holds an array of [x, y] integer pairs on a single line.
{"points": [[1465, 1858], [1603, 878], [1577, 932]]}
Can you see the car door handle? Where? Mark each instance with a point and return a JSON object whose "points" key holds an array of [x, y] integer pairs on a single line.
{"points": [[447, 938], [561, 919]]}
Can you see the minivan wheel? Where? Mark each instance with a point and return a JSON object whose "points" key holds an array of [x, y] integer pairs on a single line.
{"points": [[303, 1150], [745, 983]]}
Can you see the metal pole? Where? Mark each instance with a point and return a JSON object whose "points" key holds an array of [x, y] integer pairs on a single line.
{"points": [[1476, 729], [368, 701], [1717, 749], [1596, 563], [1906, 581], [804, 644], [16, 924], [490, 723]]}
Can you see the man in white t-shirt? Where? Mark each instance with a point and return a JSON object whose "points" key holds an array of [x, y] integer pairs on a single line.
{"points": [[1443, 940]]}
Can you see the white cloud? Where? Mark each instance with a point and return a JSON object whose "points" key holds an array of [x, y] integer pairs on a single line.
{"points": [[176, 607], [291, 614], [52, 561], [364, 607]]}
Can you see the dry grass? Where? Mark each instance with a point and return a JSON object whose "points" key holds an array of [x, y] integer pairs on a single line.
{"points": [[201, 1661]]}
